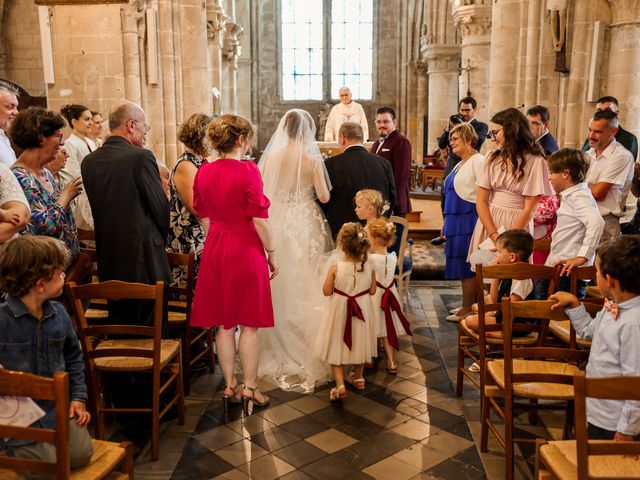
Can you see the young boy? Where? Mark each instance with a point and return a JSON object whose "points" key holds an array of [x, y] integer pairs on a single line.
{"points": [[615, 335], [579, 225], [36, 336], [512, 246]]}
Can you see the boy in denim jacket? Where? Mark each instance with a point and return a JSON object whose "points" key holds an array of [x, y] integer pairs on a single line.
{"points": [[36, 336]]}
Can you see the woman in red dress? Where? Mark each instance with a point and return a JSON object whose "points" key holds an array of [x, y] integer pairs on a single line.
{"points": [[233, 288]]}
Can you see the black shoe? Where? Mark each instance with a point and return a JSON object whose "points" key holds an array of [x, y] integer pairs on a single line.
{"points": [[438, 241]]}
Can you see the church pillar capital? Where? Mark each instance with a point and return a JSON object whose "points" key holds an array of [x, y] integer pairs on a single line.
{"points": [[625, 12], [473, 22], [442, 58], [216, 20], [231, 48]]}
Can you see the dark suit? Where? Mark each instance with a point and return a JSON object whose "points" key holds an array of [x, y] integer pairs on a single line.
{"points": [[349, 172], [396, 148], [131, 217], [548, 143]]}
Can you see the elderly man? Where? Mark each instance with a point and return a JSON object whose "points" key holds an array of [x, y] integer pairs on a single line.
{"points": [[345, 111], [8, 111], [351, 171], [130, 209], [396, 148], [610, 172], [538, 117]]}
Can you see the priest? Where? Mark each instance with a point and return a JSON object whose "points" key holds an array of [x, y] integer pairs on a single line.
{"points": [[345, 111]]}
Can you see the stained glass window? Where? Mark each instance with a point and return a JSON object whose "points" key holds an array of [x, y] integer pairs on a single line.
{"points": [[352, 47], [306, 53], [302, 49]]}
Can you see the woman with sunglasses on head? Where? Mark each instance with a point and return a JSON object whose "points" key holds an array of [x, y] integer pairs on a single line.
{"points": [[513, 180], [39, 133]]}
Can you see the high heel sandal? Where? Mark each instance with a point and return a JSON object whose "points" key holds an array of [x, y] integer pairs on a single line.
{"points": [[252, 398], [228, 398]]}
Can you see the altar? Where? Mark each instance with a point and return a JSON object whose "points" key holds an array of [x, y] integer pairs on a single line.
{"points": [[330, 149]]}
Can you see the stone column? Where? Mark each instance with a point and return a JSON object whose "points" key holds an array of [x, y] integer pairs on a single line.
{"points": [[473, 22], [504, 54], [193, 28], [623, 80], [443, 69], [216, 19]]}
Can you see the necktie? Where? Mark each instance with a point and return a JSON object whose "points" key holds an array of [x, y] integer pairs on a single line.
{"points": [[381, 141]]}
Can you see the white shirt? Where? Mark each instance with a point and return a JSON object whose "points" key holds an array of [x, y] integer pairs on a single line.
{"points": [[614, 352], [467, 174], [77, 149], [7, 155], [578, 228], [614, 166], [340, 113], [10, 189]]}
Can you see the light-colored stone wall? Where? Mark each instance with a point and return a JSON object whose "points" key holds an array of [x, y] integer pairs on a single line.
{"points": [[21, 46]]}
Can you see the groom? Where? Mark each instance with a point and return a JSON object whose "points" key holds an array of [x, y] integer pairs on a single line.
{"points": [[351, 171]]}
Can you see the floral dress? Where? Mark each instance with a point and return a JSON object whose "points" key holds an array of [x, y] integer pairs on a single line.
{"points": [[48, 217], [185, 234]]}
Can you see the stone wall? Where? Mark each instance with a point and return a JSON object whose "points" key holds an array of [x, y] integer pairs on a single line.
{"points": [[21, 47]]}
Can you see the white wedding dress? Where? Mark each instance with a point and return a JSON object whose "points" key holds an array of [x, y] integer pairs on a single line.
{"points": [[294, 176]]}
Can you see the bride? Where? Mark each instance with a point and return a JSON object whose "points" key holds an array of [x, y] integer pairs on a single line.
{"points": [[294, 176]]}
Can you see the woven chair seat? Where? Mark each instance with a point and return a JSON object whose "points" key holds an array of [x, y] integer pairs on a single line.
{"points": [[540, 390], [168, 348], [177, 317], [561, 458], [106, 455], [93, 313], [530, 339], [561, 329]]}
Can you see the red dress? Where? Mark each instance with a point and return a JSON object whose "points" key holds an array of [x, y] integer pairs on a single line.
{"points": [[233, 279]]}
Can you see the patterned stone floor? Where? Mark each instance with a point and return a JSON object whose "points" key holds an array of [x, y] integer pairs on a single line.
{"points": [[402, 427]]}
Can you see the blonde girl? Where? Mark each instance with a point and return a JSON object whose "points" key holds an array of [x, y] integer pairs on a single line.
{"points": [[347, 335], [370, 205], [386, 302]]}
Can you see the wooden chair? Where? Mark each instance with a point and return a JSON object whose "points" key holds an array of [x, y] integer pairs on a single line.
{"points": [[532, 373], [542, 245], [107, 457], [179, 309], [563, 330], [470, 345], [404, 249], [147, 353], [591, 459]]}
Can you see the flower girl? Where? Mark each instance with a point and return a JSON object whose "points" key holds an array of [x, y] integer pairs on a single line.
{"points": [[347, 334], [386, 302]]}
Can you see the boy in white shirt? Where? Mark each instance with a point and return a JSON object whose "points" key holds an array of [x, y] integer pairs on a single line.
{"points": [[579, 224], [615, 335]]}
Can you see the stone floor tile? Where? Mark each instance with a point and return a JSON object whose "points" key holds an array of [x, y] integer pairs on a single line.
{"points": [[218, 438], [250, 425], [274, 438], [300, 453], [280, 414], [268, 467], [391, 468], [414, 429], [331, 440], [241, 452], [234, 474], [308, 404]]}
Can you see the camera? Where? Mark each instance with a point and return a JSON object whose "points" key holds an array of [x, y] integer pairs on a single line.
{"points": [[456, 119]]}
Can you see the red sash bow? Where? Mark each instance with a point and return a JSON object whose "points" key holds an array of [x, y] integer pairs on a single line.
{"points": [[353, 310], [388, 304]]}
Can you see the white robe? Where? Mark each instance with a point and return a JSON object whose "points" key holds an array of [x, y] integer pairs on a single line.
{"points": [[341, 113]]}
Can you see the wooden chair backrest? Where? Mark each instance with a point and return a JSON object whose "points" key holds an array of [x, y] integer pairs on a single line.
{"points": [[542, 245], [511, 271], [86, 234], [581, 273], [117, 290], [54, 389], [611, 388], [187, 260], [402, 231], [541, 310]]}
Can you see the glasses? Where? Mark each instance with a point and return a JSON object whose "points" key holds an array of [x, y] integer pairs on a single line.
{"points": [[493, 134], [535, 123], [145, 127]]}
